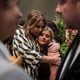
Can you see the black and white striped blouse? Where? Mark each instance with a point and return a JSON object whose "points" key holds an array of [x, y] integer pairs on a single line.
{"points": [[23, 45]]}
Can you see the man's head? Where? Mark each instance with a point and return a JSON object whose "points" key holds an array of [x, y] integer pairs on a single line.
{"points": [[9, 17], [70, 12], [35, 22]]}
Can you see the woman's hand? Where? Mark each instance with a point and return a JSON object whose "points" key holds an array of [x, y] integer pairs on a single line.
{"points": [[54, 47], [16, 60]]}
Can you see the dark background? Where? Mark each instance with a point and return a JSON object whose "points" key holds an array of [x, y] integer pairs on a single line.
{"points": [[46, 6]]}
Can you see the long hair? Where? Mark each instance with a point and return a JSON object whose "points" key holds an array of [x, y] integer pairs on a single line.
{"points": [[33, 18], [51, 32], [54, 28]]}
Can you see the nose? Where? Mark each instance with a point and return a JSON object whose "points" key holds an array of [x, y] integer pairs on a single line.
{"points": [[20, 15], [58, 9], [43, 37]]}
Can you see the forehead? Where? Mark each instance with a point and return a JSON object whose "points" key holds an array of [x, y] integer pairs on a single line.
{"points": [[41, 23], [46, 32]]}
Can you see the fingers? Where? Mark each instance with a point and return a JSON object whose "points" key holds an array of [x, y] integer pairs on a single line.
{"points": [[54, 47], [53, 53], [15, 60], [18, 60], [12, 58]]}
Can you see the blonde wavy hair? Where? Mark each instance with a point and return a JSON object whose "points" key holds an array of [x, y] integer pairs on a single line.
{"points": [[33, 18], [51, 32]]}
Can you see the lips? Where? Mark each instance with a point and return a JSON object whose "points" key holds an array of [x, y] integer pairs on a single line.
{"points": [[42, 40]]}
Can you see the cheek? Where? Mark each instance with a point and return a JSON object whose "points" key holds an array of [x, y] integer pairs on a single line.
{"points": [[78, 6], [78, 10], [47, 40], [39, 39], [10, 28], [66, 10], [10, 23]]}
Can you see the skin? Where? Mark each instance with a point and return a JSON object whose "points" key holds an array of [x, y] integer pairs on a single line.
{"points": [[70, 12], [38, 27], [9, 18], [44, 38]]}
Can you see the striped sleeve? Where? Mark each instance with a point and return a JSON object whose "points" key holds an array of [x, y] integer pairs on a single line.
{"points": [[22, 46]]}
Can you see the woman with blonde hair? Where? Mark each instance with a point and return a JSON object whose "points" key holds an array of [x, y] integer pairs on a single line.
{"points": [[24, 43], [51, 48], [34, 17]]}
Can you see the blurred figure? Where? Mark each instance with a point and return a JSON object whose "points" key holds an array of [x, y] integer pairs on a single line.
{"points": [[9, 17], [69, 10]]}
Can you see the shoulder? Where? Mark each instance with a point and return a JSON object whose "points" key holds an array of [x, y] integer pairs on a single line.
{"points": [[20, 30], [19, 34], [12, 72]]}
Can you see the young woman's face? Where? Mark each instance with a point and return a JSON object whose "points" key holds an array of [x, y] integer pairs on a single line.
{"points": [[38, 28], [44, 38]]}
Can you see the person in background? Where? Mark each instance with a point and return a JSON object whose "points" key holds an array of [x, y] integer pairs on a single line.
{"points": [[51, 48], [69, 10], [9, 17], [24, 43]]}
